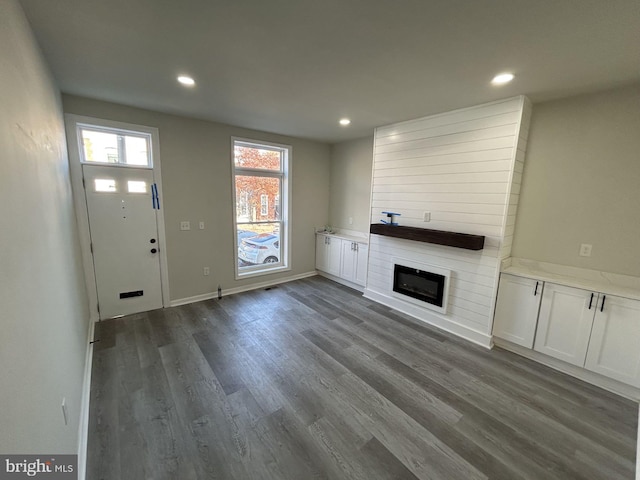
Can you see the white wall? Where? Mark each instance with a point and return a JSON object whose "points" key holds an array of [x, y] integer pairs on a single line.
{"points": [[196, 178], [582, 182], [462, 167], [44, 316], [351, 164]]}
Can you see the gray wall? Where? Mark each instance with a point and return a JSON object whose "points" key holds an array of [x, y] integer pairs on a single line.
{"points": [[196, 178], [351, 165], [581, 182], [44, 317]]}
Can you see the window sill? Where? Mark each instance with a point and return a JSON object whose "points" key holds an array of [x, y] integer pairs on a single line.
{"points": [[261, 272]]}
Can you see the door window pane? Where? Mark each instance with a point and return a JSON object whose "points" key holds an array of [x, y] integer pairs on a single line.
{"points": [[136, 186], [105, 185]]}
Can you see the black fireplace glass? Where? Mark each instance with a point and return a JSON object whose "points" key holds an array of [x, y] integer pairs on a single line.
{"points": [[419, 284]]}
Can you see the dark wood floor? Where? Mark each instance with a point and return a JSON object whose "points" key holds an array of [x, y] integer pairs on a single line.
{"points": [[310, 380]]}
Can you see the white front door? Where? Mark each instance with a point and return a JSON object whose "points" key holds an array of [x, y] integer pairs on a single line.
{"points": [[122, 210]]}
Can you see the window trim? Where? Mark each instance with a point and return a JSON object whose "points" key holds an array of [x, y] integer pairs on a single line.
{"points": [[285, 199], [121, 133]]}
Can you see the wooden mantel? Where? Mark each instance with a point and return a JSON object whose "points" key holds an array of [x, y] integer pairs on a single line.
{"points": [[439, 237]]}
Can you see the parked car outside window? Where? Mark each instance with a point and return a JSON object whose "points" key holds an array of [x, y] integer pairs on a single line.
{"points": [[263, 248]]}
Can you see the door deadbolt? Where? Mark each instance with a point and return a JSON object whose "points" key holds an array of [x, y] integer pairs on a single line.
{"points": [[153, 250], [153, 240]]}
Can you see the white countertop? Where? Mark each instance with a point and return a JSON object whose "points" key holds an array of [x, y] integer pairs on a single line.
{"points": [[346, 236], [604, 282]]}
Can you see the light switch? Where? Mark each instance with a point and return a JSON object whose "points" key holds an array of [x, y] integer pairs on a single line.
{"points": [[185, 225], [585, 250], [201, 225], [426, 217]]}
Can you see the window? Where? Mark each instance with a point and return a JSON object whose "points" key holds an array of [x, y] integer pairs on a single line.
{"points": [[260, 184], [105, 185], [105, 145], [136, 186]]}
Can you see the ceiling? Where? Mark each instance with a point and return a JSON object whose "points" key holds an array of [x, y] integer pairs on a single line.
{"points": [[296, 67]]}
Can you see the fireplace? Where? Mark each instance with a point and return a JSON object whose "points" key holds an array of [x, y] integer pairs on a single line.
{"points": [[421, 284]]}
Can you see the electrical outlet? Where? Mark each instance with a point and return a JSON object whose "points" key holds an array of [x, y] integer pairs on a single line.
{"points": [[585, 250], [206, 271], [65, 413], [185, 225], [201, 225], [426, 217]]}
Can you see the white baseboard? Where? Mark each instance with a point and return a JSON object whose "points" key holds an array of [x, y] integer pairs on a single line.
{"points": [[83, 428], [246, 288], [609, 384], [434, 319]]}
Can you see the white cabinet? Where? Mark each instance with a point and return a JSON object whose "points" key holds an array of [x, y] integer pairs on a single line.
{"points": [[517, 309], [564, 323], [354, 262], [591, 330], [342, 258], [614, 348], [362, 261], [328, 254]]}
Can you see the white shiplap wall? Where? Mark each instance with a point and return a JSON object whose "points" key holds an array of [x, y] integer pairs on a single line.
{"points": [[465, 168]]}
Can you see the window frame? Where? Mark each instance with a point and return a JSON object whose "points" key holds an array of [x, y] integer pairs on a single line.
{"points": [[121, 133], [284, 174]]}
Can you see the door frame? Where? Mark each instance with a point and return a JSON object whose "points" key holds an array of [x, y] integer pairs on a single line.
{"points": [[80, 202]]}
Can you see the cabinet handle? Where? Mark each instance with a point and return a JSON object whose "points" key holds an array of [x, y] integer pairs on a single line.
{"points": [[604, 297], [355, 247], [535, 292], [591, 301]]}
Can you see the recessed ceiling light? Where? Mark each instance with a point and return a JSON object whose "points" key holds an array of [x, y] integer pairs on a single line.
{"points": [[502, 78], [344, 122], [186, 80]]}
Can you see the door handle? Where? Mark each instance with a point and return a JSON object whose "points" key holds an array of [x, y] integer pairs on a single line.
{"points": [[535, 292], [591, 301], [153, 240], [153, 250], [604, 297]]}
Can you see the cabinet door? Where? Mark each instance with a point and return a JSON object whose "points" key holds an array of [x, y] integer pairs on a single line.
{"points": [[614, 348], [322, 252], [334, 253], [348, 264], [564, 323], [362, 255], [517, 309]]}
